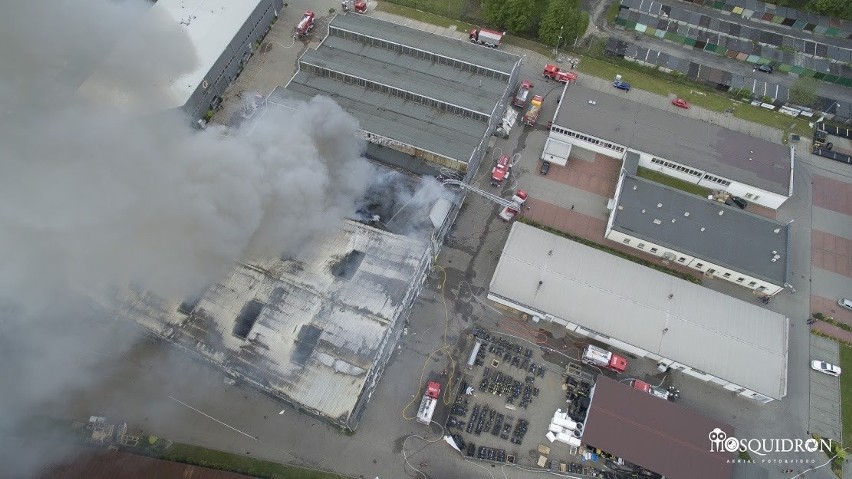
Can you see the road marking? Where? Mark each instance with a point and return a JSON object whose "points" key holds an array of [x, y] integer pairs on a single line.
{"points": [[213, 418]]}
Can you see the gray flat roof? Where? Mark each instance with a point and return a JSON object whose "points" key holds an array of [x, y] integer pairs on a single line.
{"points": [[451, 85], [695, 326], [318, 320], [409, 122], [449, 47], [678, 138], [736, 239]]}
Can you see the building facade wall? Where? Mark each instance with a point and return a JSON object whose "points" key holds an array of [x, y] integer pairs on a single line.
{"points": [[709, 180], [705, 267], [230, 63], [598, 145], [639, 352]]}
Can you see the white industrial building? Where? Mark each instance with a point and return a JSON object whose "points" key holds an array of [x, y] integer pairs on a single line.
{"points": [[692, 150], [214, 37], [713, 238], [702, 333]]}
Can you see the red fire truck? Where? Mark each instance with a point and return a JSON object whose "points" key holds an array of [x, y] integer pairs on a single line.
{"points": [[501, 171], [306, 24], [602, 358], [428, 403], [556, 73]]}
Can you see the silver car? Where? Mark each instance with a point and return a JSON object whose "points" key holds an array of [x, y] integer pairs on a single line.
{"points": [[845, 303]]}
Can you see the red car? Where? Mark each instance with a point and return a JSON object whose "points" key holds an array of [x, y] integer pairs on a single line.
{"points": [[680, 103]]}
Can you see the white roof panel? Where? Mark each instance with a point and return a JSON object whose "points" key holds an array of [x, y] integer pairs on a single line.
{"points": [[171, 29], [693, 325]]}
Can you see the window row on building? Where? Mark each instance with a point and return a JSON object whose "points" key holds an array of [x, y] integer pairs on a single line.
{"points": [[588, 139], [716, 179], [417, 53], [396, 92], [741, 280], [676, 167]]}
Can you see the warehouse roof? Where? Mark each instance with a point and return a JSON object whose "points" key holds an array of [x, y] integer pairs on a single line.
{"points": [[408, 122], [656, 434], [448, 47], [441, 82], [703, 228], [424, 120], [656, 312], [678, 138], [208, 26], [310, 327]]}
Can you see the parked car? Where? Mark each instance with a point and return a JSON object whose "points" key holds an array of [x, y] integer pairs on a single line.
{"points": [[845, 303], [767, 68], [680, 103], [621, 85], [825, 368], [736, 201], [545, 167]]}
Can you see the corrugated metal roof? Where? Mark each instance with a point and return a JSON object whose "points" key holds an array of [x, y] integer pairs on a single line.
{"points": [[705, 330], [728, 153], [737, 239], [490, 58], [452, 85], [411, 123], [654, 433]]}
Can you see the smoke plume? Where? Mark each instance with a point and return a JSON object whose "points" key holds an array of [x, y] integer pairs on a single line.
{"points": [[92, 195]]}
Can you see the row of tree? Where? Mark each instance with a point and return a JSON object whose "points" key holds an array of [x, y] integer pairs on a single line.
{"points": [[553, 22], [831, 8]]}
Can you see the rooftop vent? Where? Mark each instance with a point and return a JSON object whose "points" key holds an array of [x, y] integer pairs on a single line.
{"points": [[643, 211], [634, 187], [659, 205], [777, 230], [686, 213], [247, 317], [620, 207], [673, 220], [702, 228], [658, 222], [592, 102], [721, 212], [348, 265]]}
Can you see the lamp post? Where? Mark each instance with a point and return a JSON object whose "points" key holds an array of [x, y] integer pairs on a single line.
{"points": [[559, 40]]}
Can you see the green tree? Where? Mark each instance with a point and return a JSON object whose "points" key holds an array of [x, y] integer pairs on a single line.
{"points": [[494, 13], [565, 18], [833, 8], [804, 91], [514, 16], [520, 15]]}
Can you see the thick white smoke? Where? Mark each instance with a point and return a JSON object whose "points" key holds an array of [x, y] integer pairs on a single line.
{"points": [[92, 197]]}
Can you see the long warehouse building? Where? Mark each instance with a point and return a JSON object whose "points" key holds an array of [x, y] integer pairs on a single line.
{"points": [[647, 313], [430, 97]]}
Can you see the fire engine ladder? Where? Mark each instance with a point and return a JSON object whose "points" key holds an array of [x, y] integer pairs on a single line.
{"points": [[489, 196]]}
